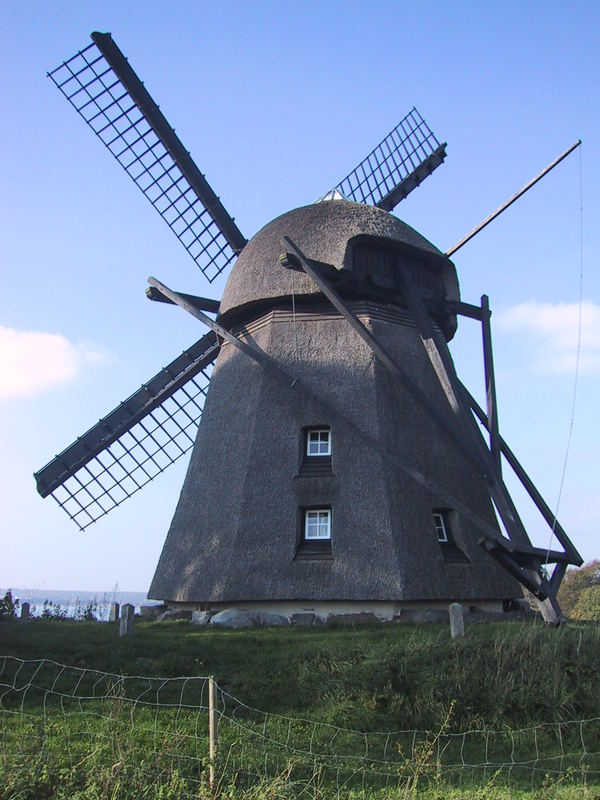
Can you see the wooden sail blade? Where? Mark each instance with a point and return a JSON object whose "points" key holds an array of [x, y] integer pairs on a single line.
{"points": [[133, 444], [398, 164], [106, 92]]}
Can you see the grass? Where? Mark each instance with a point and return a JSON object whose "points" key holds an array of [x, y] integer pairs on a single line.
{"points": [[502, 677]]}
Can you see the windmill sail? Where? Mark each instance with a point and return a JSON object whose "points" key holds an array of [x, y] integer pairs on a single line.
{"points": [[134, 443], [103, 88], [398, 164]]}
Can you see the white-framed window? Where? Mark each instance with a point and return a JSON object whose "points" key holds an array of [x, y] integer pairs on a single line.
{"points": [[318, 442], [440, 527], [317, 524]]}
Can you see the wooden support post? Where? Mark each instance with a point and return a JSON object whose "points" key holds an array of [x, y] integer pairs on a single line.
{"points": [[490, 383], [558, 575], [544, 509], [213, 733], [439, 355], [440, 358]]}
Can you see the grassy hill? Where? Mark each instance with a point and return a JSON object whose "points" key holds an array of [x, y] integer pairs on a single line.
{"points": [[502, 677]]}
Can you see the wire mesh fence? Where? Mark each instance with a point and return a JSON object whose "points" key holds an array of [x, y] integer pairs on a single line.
{"points": [[85, 721]]}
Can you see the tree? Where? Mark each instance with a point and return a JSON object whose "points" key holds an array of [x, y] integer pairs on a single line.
{"points": [[8, 606], [588, 605], [572, 592]]}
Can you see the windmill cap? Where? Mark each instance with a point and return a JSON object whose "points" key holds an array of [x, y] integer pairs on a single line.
{"points": [[322, 231]]}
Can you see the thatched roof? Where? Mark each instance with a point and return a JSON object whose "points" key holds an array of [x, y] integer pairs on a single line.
{"points": [[322, 231]]}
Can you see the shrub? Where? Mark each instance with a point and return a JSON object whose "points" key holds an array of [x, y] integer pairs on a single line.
{"points": [[8, 606], [87, 613], [588, 605], [52, 611], [574, 584]]}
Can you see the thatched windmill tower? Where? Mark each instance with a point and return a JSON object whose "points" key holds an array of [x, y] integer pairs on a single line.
{"points": [[300, 492], [338, 465]]}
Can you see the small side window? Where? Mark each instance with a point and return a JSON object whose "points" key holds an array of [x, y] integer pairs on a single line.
{"points": [[440, 527], [445, 522]]}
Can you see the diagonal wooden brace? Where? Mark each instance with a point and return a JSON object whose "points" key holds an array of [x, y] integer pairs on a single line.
{"points": [[441, 360]]}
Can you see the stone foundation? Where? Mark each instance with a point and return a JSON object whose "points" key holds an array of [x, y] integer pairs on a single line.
{"points": [[305, 614]]}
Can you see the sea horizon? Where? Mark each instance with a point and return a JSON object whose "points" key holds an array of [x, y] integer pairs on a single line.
{"points": [[70, 602]]}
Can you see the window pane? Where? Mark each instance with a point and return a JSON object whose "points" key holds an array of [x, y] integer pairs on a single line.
{"points": [[440, 527], [318, 442], [317, 524]]}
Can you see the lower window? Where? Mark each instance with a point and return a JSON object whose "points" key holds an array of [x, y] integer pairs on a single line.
{"points": [[317, 524], [314, 537]]}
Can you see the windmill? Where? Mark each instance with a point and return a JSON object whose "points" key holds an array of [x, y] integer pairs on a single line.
{"points": [[338, 461]]}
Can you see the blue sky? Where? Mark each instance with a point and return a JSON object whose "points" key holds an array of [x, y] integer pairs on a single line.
{"points": [[277, 102]]}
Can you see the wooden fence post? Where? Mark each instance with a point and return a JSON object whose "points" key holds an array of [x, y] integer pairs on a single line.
{"points": [[213, 734]]}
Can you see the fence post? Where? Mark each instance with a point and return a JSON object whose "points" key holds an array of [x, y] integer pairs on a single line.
{"points": [[213, 733], [126, 621], [457, 623]]}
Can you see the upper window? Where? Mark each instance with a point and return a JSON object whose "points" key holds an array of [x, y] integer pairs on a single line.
{"points": [[317, 524], [318, 442], [440, 526]]}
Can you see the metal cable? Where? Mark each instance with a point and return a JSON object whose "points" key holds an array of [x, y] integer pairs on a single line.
{"points": [[577, 359]]}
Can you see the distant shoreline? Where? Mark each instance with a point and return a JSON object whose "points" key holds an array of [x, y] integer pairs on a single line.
{"points": [[70, 601]]}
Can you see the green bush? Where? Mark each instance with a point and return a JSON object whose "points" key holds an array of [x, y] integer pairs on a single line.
{"points": [[588, 605], [8, 606], [574, 584]]}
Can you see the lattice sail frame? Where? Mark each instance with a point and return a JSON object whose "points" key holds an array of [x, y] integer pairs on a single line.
{"points": [[399, 163], [137, 134], [134, 443]]}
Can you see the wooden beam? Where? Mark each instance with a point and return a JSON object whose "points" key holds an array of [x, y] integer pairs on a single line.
{"points": [[544, 509], [155, 118], [490, 383], [182, 301], [437, 349], [558, 575], [512, 199], [464, 309], [203, 303]]}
